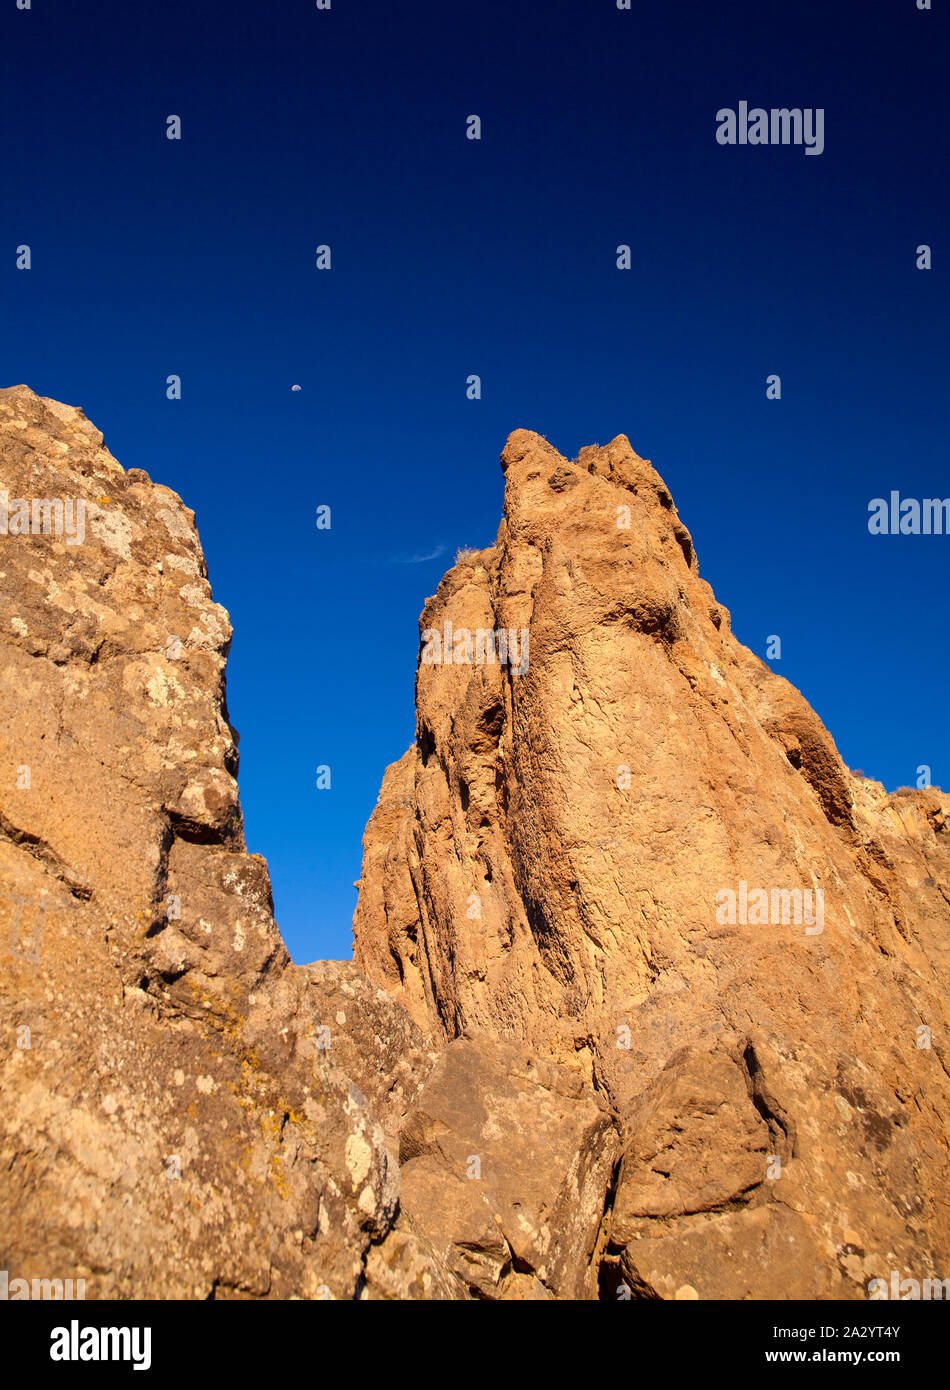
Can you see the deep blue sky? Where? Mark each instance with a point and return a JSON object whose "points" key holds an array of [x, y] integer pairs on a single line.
{"points": [[497, 257]]}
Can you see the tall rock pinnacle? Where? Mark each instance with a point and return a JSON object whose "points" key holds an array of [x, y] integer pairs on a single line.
{"points": [[640, 853]]}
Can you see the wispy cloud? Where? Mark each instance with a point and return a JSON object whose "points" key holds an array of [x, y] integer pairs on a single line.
{"points": [[419, 559]]}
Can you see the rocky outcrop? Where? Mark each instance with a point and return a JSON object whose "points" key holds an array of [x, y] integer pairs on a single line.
{"points": [[599, 853], [172, 1123], [649, 996], [373, 1040], [505, 1163]]}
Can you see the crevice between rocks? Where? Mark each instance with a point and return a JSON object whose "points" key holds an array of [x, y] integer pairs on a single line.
{"points": [[42, 851]]}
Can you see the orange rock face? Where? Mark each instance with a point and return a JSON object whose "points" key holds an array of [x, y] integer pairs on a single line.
{"points": [[171, 1125], [639, 853], [650, 992]]}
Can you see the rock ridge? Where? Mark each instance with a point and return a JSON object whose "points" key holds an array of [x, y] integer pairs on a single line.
{"points": [[546, 864]]}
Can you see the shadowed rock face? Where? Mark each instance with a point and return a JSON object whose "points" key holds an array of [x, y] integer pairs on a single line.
{"points": [[558, 1064], [551, 862]]}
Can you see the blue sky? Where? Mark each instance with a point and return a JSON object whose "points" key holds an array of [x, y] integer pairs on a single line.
{"points": [[347, 127]]}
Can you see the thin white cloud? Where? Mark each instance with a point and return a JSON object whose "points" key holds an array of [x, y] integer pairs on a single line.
{"points": [[420, 559]]}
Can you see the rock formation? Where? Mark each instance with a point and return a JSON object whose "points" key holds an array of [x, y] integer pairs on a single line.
{"points": [[171, 1125], [649, 993], [544, 865]]}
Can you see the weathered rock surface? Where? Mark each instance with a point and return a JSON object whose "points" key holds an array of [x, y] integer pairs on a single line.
{"points": [[170, 1125], [549, 863], [559, 1067], [373, 1040], [505, 1164]]}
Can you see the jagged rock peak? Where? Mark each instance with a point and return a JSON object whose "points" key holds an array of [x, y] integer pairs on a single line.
{"points": [[628, 844]]}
